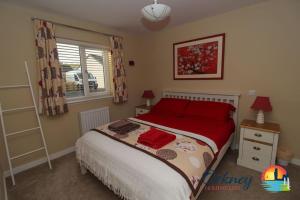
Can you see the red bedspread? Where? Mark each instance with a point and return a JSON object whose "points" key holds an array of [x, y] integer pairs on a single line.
{"points": [[218, 131]]}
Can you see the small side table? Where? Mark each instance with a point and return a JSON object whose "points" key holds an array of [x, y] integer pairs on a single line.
{"points": [[258, 144]]}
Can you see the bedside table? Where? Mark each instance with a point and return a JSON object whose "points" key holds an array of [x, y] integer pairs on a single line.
{"points": [[258, 144], [142, 109]]}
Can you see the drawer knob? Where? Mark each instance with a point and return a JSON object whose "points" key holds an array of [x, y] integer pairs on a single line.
{"points": [[255, 158], [257, 134], [256, 148]]}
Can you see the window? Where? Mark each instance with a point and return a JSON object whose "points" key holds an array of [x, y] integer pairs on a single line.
{"points": [[85, 68]]}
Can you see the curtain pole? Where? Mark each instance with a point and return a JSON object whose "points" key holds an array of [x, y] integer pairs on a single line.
{"points": [[75, 27]]}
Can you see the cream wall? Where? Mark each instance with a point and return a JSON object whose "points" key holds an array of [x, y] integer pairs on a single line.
{"points": [[261, 53], [17, 45]]}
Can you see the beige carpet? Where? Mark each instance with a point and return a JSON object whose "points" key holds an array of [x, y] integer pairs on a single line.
{"points": [[65, 182]]}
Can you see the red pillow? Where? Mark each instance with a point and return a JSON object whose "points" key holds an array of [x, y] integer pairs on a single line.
{"points": [[209, 110], [170, 106]]}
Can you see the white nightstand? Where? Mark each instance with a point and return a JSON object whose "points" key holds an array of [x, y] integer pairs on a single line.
{"points": [[258, 144], [142, 109]]}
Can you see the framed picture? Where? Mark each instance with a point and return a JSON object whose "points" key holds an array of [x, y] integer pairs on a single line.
{"points": [[201, 58]]}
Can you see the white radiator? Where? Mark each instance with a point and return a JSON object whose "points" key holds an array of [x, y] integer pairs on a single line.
{"points": [[93, 118]]}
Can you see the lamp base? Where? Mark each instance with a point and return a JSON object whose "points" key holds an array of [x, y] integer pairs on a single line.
{"points": [[260, 117], [148, 102]]}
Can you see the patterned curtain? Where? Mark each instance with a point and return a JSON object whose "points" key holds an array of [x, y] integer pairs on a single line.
{"points": [[119, 75], [52, 85]]}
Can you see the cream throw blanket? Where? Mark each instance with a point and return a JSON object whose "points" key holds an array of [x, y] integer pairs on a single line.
{"points": [[187, 156]]}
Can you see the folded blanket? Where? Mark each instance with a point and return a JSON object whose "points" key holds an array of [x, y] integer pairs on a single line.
{"points": [[119, 124], [123, 127], [155, 138]]}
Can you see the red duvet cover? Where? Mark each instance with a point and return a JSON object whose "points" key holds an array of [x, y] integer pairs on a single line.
{"points": [[218, 131]]}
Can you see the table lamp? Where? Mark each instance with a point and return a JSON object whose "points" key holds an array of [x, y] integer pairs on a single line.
{"points": [[148, 95], [262, 104]]}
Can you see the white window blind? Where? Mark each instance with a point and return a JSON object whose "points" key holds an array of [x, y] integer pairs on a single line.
{"points": [[95, 65], [85, 68]]}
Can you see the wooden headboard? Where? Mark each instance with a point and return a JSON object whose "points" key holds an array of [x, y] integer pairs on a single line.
{"points": [[231, 98]]}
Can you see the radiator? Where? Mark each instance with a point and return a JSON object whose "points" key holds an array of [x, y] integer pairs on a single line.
{"points": [[93, 118]]}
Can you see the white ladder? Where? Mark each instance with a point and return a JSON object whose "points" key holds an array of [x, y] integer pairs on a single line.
{"points": [[5, 135]]}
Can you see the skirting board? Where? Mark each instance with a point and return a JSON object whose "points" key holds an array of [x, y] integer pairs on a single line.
{"points": [[296, 161], [4, 189], [35, 163]]}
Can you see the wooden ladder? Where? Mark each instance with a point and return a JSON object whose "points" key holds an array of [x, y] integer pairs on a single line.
{"points": [[10, 158]]}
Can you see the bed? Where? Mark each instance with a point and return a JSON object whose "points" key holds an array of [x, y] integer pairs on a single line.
{"points": [[131, 173]]}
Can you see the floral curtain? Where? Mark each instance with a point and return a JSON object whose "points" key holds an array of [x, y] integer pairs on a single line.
{"points": [[119, 75], [52, 85]]}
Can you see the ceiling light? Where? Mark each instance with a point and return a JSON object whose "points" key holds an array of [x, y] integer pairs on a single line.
{"points": [[156, 12]]}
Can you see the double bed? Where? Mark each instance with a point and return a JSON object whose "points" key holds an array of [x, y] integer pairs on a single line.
{"points": [[132, 173]]}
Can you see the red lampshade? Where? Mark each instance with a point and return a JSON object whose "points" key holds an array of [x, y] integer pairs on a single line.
{"points": [[148, 94], [262, 103]]}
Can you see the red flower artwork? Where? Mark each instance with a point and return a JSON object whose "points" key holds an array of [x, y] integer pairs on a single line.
{"points": [[198, 59]]}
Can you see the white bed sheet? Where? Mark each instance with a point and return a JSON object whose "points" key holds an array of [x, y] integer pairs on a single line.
{"points": [[137, 175]]}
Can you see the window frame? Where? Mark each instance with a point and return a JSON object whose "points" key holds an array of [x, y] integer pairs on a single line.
{"points": [[88, 96]]}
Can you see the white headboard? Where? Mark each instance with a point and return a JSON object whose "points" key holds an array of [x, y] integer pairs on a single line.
{"points": [[233, 99]]}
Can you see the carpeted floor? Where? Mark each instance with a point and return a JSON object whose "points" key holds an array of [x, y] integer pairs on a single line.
{"points": [[65, 182]]}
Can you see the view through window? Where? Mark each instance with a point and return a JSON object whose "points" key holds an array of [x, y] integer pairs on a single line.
{"points": [[85, 68]]}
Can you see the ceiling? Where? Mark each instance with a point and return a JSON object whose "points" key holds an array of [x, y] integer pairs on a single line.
{"points": [[126, 14]]}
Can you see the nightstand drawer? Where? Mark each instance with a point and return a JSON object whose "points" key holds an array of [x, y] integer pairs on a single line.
{"points": [[258, 135], [259, 162], [258, 149]]}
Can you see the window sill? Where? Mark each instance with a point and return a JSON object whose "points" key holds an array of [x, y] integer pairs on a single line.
{"points": [[85, 99]]}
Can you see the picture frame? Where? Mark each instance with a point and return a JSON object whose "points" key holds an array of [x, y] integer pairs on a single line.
{"points": [[199, 59]]}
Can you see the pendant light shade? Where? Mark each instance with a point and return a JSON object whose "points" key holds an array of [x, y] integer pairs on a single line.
{"points": [[156, 11]]}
